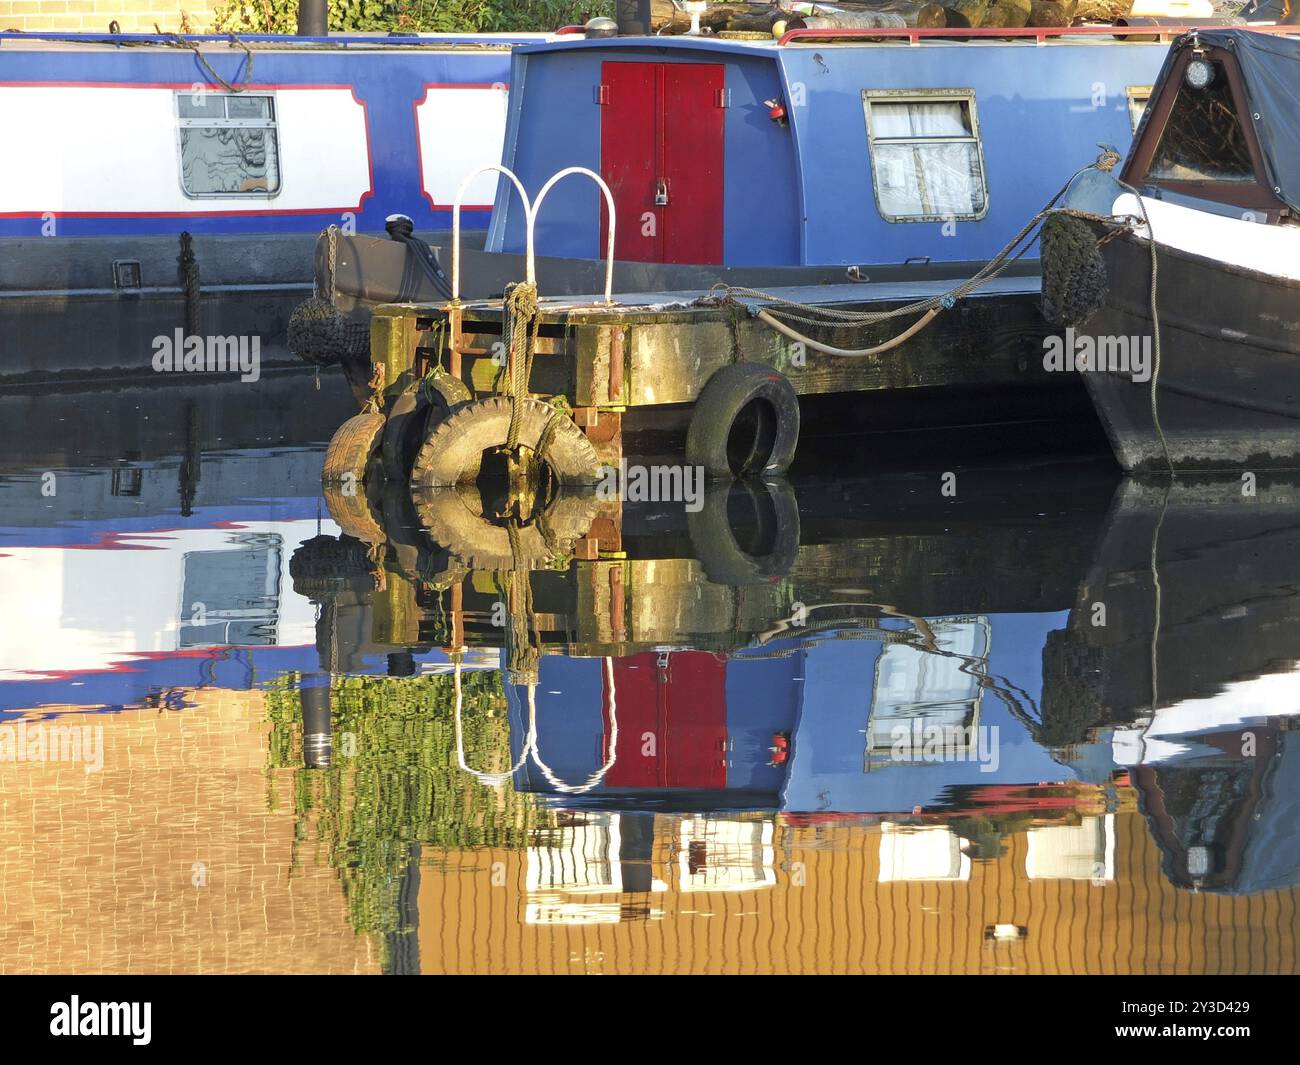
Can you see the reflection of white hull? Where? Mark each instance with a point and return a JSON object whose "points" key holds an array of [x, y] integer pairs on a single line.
{"points": [[74, 609], [1171, 735]]}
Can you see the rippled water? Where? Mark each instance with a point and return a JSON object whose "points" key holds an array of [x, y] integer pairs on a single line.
{"points": [[848, 725]]}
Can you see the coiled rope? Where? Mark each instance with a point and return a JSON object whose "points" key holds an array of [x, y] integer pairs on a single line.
{"points": [[835, 318], [519, 329]]}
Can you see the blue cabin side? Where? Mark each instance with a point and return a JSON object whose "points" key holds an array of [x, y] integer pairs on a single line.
{"points": [[798, 185], [364, 128]]}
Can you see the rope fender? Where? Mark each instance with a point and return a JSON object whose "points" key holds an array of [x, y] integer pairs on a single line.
{"points": [[519, 333]]}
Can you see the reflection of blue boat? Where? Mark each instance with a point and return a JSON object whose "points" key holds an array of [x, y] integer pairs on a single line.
{"points": [[818, 724]]}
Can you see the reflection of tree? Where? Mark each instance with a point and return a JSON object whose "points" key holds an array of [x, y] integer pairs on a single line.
{"points": [[394, 782]]}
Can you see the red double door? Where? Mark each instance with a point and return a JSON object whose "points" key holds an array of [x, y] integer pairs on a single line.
{"points": [[661, 153], [671, 711]]}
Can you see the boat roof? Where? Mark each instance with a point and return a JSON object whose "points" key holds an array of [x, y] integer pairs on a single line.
{"points": [[954, 37], [52, 41]]}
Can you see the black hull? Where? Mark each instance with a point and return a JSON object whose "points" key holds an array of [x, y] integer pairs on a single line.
{"points": [[1228, 393], [62, 320]]}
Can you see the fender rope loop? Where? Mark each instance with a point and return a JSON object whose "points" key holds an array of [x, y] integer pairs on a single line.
{"points": [[519, 334], [178, 41]]}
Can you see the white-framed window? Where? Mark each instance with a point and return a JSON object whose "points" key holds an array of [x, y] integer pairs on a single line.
{"points": [[228, 144], [927, 164], [1138, 98]]}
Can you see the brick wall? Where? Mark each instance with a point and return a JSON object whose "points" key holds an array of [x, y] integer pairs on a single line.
{"points": [[132, 16]]}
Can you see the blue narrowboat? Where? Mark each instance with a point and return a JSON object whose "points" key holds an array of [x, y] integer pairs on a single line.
{"points": [[809, 205], [157, 182]]}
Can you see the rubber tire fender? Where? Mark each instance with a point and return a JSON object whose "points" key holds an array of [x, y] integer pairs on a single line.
{"points": [[452, 452], [775, 512], [350, 450], [358, 513], [411, 417], [728, 392], [454, 519]]}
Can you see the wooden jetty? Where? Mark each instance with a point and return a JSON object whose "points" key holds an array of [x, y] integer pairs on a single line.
{"points": [[641, 361]]}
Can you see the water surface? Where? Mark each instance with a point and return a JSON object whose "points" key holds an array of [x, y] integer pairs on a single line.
{"points": [[841, 724]]}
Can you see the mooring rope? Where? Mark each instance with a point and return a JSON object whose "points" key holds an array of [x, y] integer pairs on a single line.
{"points": [[835, 318], [519, 334], [1155, 328], [177, 41], [519, 330]]}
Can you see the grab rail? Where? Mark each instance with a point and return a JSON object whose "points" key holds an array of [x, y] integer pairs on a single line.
{"points": [[531, 210], [609, 203], [455, 223]]}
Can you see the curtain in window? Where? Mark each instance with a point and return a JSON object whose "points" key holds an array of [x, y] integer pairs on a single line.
{"points": [[941, 119], [216, 159], [914, 180]]}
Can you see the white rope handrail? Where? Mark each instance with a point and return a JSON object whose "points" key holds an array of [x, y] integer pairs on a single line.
{"points": [[611, 755], [492, 780]]}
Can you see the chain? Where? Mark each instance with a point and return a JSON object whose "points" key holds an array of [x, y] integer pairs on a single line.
{"points": [[333, 242]]}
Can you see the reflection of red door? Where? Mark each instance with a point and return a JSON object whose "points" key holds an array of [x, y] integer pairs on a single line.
{"points": [[661, 139], [672, 721]]}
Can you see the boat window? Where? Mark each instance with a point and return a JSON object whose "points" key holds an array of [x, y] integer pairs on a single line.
{"points": [[228, 144], [920, 695], [926, 161], [1203, 139], [1138, 98]]}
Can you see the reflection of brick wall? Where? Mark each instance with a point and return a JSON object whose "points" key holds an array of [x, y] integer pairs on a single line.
{"points": [[132, 16], [838, 916], [97, 870]]}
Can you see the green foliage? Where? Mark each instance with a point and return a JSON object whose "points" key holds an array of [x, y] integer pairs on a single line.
{"points": [[413, 16], [400, 785]]}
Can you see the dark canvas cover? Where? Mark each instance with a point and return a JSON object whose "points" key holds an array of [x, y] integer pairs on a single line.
{"points": [[1270, 68]]}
